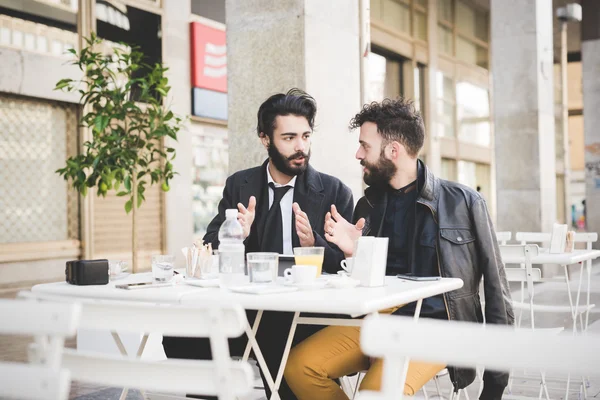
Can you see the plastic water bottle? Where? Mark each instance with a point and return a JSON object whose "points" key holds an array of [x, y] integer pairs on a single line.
{"points": [[231, 251]]}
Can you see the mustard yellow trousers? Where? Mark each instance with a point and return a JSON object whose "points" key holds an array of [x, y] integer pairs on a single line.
{"points": [[335, 352]]}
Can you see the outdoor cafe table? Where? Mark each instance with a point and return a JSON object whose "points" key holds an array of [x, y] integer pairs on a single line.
{"points": [[353, 302], [565, 259]]}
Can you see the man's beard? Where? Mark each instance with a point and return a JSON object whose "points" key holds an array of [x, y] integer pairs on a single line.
{"points": [[284, 164], [380, 173]]}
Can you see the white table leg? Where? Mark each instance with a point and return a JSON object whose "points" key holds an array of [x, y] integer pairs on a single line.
{"points": [[259, 357], [123, 351], [254, 330], [286, 353]]}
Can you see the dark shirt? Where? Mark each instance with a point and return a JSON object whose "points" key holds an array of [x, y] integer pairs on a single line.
{"points": [[402, 230]]}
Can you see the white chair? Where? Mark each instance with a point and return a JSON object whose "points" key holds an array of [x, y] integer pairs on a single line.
{"points": [[503, 237], [222, 376], [577, 310], [49, 324], [395, 339], [528, 276]]}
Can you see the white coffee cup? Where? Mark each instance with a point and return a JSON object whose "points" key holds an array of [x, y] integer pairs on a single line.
{"points": [[347, 264], [301, 274]]}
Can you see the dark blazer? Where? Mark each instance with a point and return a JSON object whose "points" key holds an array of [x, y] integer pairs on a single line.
{"points": [[314, 192]]}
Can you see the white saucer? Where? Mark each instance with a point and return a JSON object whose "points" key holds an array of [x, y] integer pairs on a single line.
{"points": [[119, 276], [343, 282], [315, 285], [202, 282]]}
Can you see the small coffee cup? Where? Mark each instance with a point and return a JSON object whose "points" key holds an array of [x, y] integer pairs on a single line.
{"points": [[301, 274], [347, 264]]}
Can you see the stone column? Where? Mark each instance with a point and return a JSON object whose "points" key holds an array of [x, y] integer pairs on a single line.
{"points": [[178, 219], [590, 53], [309, 44], [523, 108]]}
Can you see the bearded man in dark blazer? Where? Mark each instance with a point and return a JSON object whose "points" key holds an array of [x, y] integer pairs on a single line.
{"points": [[281, 205]]}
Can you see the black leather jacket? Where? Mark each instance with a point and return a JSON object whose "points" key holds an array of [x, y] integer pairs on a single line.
{"points": [[455, 227]]}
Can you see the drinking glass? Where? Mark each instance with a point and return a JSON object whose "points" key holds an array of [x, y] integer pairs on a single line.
{"points": [[262, 267], [162, 268], [310, 256]]}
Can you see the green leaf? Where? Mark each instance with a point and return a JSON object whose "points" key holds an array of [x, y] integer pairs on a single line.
{"points": [[100, 123], [121, 194], [169, 115], [170, 150], [128, 206], [63, 83], [140, 199], [127, 183]]}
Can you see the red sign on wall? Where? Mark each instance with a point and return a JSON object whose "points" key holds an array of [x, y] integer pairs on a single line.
{"points": [[209, 57]]}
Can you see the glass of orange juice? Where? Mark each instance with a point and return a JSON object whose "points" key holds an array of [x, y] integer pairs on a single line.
{"points": [[310, 256]]}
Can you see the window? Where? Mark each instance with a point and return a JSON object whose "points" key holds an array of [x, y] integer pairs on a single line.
{"points": [[49, 29], [385, 78], [448, 169], [446, 105], [473, 114], [209, 172], [396, 15], [419, 85], [446, 40], [37, 137], [471, 22], [445, 11], [476, 176], [420, 25], [470, 42]]}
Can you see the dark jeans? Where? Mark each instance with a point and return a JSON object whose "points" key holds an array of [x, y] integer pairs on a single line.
{"points": [[271, 336]]}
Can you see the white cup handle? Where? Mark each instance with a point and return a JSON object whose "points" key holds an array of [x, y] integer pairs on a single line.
{"points": [[288, 275], [344, 265]]}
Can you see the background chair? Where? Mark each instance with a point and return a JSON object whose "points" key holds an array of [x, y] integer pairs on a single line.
{"points": [[49, 324]]}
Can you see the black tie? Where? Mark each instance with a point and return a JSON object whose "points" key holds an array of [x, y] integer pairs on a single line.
{"points": [[273, 234]]}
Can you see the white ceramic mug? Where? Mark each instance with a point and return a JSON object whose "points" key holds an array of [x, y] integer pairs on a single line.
{"points": [[347, 264], [301, 274]]}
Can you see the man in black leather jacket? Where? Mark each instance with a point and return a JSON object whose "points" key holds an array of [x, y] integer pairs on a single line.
{"points": [[435, 227]]}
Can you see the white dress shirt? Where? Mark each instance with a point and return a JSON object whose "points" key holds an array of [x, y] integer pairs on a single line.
{"points": [[286, 210]]}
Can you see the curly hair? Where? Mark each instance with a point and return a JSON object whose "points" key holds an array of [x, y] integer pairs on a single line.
{"points": [[396, 120], [294, 102]]}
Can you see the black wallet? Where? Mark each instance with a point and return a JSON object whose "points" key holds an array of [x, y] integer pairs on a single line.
{"points": [[87, 272]]}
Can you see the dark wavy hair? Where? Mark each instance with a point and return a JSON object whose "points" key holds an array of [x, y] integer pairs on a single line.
{"points": [[396, 120], [294, 102]]}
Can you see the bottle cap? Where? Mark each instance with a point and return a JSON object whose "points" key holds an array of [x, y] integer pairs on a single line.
{"points": [[231, 213]]}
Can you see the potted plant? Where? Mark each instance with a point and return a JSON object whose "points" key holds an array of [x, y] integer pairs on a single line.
{"points": [[122, 99]]}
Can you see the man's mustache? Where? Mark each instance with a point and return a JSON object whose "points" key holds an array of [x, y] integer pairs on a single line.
{"points": [[298, 155]]}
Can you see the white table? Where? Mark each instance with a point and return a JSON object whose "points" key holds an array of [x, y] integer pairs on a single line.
{"points": [[566, 259], [352, 302], [545, 257]]}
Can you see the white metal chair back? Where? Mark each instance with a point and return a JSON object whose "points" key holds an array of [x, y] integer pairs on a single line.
{"points": [[527, 275], [222, 376], [589, 238], [466, 344], [586, 237], [533, 237], [503, 237], [49, 324]]}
